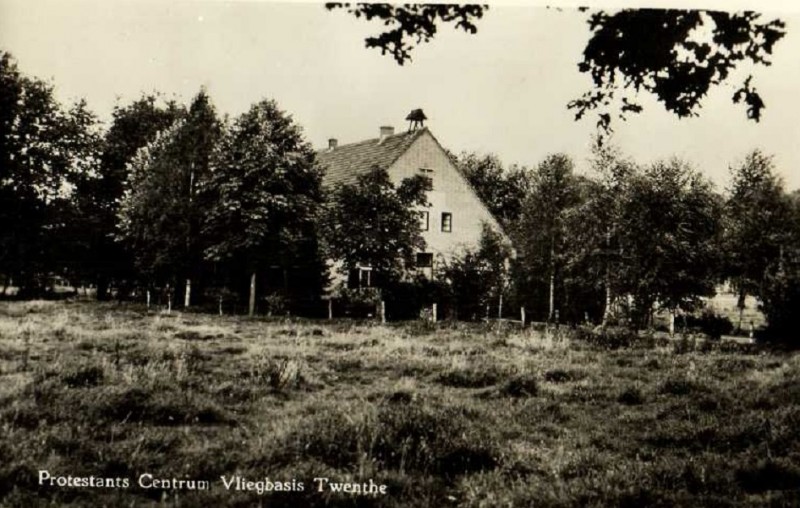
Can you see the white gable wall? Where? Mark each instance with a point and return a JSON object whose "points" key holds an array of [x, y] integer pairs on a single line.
{"points": [[451, 193]]}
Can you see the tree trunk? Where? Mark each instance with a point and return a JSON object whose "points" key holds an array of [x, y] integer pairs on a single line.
{"points": [[187, 295], [552, 301], [607, 282], [101, 294], [741, 304], [251, 307]]}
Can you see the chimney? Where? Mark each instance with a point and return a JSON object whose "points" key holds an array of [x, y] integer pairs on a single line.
{"points": [[386, 131], [332, 143]]}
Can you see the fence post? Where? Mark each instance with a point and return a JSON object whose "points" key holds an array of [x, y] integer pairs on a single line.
{"points": [[187, 295], [220, 304], [148, 299], [522, 315], [671, 323], [383, 312], [330, 309], [433, 313]]}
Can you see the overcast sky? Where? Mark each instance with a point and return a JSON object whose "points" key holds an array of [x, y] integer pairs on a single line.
{"points": [[503, 90]]}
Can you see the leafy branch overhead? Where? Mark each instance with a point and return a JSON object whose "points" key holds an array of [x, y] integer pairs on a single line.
{"points": [[411, 24], [676, 55]]}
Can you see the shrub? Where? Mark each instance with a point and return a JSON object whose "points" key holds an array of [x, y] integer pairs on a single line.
{"points": [[84, 376], [477, 376], [563, 376], [613, 337], [768, 475], [410, 437], [710, 323], [523, 385], [680, 386], [631, 397]]}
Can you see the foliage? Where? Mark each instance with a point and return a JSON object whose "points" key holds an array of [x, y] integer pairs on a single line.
{"points": [[478, 277], [44, 151], [780, 297], [411, 23], [710, 323], [264, 195], [593, 256], [672, 226], [757, 216], [502, 190], [542, 232], [102, 260], [160, 212], [676, 55], [373, 223]]}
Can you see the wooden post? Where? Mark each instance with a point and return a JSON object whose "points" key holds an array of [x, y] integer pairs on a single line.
{"points": [[251, 307], [672, 323], [169, 302], [433, 313], [148, 298], [522, 315], [330, 308], [187, 295], [220, 304], [500, 307], [383, 312]]}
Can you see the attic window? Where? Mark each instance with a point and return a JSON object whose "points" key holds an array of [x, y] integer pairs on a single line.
{"points": [[427, 173]]}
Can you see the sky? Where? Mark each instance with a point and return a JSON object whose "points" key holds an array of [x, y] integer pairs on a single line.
{"points": [[503, 90]]}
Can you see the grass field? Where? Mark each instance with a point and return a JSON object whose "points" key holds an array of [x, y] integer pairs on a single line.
{"points": [[454, 415]]}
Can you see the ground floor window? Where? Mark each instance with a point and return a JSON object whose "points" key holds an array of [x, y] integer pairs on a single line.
{"points": [[424, 260]]}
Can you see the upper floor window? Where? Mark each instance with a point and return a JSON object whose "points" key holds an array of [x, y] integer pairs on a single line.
{"points": [[428, 174], [424, 220], [447, 222]]}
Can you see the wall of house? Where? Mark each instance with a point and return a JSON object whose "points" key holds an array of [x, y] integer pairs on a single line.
{"points": [[451, 193]]}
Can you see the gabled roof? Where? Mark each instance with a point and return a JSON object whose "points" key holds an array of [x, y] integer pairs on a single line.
{"points": [[345, 163]]}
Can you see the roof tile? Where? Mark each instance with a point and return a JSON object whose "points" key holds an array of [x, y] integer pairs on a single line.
{"points": [[345, 163]]}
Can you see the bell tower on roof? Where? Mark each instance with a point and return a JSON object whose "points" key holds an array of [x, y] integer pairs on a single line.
{"points": [[416, 119]]}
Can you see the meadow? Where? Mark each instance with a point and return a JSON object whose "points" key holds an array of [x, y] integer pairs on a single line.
{"points": [[451, 414]]}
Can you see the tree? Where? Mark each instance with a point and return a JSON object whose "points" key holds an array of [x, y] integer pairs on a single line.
{"points": [[757, 215], [542, 229], [103, 260], [676, 55], [594, 251], [670, 244], [44, 151], [502, 190], [478, 277], [264, 194], [374, 223], [160, 212], [780, 288]]}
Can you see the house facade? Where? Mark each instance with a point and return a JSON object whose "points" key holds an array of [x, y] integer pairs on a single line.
{"points": [[455, 216]]}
